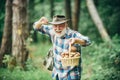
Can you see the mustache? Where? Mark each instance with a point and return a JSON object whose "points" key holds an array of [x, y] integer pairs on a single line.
{"points": [[62, 32], [58, 30]]}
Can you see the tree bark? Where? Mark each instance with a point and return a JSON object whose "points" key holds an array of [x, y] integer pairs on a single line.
{"points": [[51, 8], [20, 31], [68, 12], [97, 21], [76, 14], [7, 33]]}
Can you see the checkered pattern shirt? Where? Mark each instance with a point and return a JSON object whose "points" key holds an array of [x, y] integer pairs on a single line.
{"points": [[62, 45]]}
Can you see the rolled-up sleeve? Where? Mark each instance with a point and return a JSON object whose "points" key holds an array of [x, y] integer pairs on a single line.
{"points": [[44, 29], [35, 25], [85, 38], [87, 41]]}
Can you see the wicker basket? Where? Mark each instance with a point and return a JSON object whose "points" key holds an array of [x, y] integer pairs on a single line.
{"points": [[70, 61]]}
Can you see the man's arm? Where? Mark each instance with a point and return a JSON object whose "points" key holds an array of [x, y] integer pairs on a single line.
{"points": [[37, 25], [79, 41]]}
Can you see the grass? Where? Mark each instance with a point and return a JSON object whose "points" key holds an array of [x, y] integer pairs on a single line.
{"points": [[35, 69], [37, 74], [91, 63]]}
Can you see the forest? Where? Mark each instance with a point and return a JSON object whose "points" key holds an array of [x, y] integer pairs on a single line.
{"points": [[23, 50]]}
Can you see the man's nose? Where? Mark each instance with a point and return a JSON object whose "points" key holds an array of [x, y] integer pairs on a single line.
{"points": [[57, 27]]}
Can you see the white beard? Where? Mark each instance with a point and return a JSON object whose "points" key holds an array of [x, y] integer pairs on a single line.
{"points": [[61, 34]]}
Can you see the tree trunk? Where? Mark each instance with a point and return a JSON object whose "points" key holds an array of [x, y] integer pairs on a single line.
{"points": [[7, 34], [76, 14], [51, 8], [68, 12], [20, 31], [2, 19], [97, 21]]}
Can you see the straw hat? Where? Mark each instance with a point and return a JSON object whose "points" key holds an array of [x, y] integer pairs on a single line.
{"points": [[58, 19]]}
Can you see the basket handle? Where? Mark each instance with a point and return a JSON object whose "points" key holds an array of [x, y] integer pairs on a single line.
{"points": [[69, 50]]}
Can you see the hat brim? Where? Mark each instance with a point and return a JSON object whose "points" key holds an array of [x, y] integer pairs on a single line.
{"points": [[59, 22]]}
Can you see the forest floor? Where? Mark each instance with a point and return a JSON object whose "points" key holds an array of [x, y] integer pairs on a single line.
{"points": [[38, 54], [38, 62], [86, 67]]}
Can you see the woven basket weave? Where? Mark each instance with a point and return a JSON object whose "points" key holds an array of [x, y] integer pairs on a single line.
{"points": [[70, 61]]}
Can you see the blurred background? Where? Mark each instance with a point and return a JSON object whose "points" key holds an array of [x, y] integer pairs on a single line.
{"points": [[22, 50]]}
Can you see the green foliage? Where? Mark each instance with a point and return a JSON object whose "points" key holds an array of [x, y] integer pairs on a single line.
{"points": [[104, 61], [9, 62], [43, 38], [17, 74], [110, 14], [40, 49], [86, 25], [34, 65], [100, 60], [6, 58]]}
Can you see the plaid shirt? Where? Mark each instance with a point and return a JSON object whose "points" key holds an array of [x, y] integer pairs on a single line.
{"points": [[62, 45]]}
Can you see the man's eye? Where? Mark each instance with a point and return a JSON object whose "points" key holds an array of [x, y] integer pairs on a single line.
{"points": [[55, 25]]}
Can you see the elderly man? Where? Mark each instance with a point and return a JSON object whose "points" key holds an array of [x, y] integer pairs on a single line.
{"points": [[62, 36]]}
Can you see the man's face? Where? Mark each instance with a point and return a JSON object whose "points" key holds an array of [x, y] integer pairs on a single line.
{"points": [[59, 29]]}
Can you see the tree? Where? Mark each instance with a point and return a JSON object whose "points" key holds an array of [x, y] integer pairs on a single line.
{"points": [[68, 12], [51, 8], [20, 31], [76, 14], [96, 19], [7, 34], [2, 16]]}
